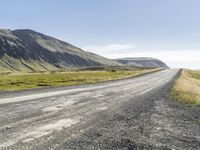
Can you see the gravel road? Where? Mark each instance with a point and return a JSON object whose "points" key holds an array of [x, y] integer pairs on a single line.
{"points": [[130, 114]]}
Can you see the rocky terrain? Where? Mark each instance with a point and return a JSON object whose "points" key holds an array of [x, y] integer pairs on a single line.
{"points": [[27, 50]]}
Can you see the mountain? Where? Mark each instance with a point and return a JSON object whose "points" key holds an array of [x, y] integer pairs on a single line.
{"points": [[27, 50], [142, 62]]}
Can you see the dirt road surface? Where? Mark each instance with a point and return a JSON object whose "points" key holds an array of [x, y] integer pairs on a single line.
{"points": [[129, 114]]}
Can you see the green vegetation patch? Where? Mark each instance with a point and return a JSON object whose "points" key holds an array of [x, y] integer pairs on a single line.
{"points": [[23, 81]]}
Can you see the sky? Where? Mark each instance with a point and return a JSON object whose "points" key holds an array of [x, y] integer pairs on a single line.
{"points": [[165, 29]]}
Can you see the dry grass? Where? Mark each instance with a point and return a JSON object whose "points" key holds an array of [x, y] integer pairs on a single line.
{"points": [[187, 87]]}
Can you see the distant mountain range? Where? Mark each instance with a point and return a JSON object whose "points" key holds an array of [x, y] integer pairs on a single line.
{"points": [[27, 50], [142, 62]]}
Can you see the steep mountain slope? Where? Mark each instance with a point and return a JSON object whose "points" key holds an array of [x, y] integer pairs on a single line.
{"points": [[27, 50], [142, 62]]}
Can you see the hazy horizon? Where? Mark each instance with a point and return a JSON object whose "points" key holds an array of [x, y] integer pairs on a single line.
{"points": [[166, 30]]}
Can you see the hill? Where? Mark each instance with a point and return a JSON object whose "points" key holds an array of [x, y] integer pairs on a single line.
{"points": [[27, 50], [142, 62]]}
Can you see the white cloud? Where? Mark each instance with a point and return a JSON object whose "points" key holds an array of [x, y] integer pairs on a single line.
{"points": [[196, 35], [174, 58]]}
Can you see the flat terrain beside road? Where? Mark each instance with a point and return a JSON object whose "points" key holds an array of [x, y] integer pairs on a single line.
{"points": [[24, 81], [135, 113]]}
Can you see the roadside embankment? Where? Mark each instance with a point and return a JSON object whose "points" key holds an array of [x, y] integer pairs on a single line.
{"points": [[187, 87]]}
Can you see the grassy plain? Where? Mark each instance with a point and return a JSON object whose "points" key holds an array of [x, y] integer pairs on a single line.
{"points": [[24, 81]]}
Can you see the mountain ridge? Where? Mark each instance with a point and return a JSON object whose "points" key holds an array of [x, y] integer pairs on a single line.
{"points": [[28, 50], [142, 62], [38, 52]]}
